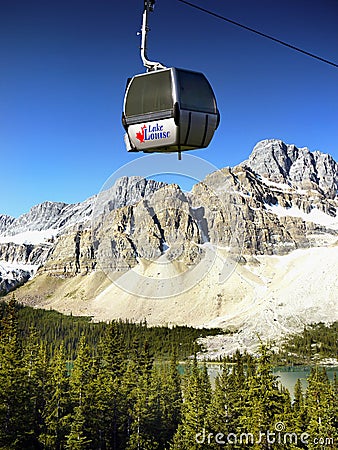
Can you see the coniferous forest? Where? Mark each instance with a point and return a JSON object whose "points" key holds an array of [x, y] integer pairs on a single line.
{"points": [[78, 385]]}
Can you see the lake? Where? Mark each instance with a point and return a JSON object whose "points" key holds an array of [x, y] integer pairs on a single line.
{"points": [[287, 375]]}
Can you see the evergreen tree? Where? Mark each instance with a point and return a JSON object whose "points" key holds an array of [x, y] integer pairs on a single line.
{"points": [[113, 349], [143, 412], [228, 401], [108, 392], [171, 399], [218, 420], [80, 384], [35, 365], [299, 409], [264, 403], [197, 398], [298, 403], [154, 403], [57, 407], [335, 399], [16, 417], [321, 403], [77, 438]]}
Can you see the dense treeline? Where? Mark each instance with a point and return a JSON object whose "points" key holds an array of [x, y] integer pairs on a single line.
{"points": [[114, 396], [316, 342], [56, 329]]}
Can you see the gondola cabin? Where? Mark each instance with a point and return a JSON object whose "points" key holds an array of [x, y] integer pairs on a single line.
{"points": [[169, 110]]}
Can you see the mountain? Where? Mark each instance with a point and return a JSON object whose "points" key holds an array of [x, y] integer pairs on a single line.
{"points": [[252, 248], [296, 166], [27, 242]]}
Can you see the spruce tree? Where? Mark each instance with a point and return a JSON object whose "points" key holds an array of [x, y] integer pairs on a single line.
{"points": [[299, 409], [171, 395], [16, 415], [335, 399], [80, 383], [264, 403], [228, 401], [108, 392], [57, 407], [35, 365], [321, 406], [77, 438], [143, 411], [197, 398]]}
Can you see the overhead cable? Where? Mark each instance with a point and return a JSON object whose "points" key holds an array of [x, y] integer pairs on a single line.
{"points": [[293, 47]]}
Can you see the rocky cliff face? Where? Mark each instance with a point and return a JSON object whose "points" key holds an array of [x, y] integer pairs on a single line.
{"points": [[270, 218], [162, 223], [298, 167], [58, 216], [5, 222]]}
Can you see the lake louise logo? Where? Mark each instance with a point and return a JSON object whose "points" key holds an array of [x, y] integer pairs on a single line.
{"points": [[151, 133]]}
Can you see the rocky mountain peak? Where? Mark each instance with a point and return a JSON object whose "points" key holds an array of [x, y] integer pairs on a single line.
{"points": [[299, 167], [40, 217], [59, 216], [129, 190]]}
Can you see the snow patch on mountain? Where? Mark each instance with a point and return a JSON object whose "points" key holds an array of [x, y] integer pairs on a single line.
{"points": [[13, 275], [10, 268], [315, 215], [33, 237]]}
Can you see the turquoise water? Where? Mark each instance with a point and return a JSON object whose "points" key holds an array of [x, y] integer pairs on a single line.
{"points": [[287, 375]]}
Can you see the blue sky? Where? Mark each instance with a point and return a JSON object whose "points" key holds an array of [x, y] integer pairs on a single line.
{"points": [[64, 65]]}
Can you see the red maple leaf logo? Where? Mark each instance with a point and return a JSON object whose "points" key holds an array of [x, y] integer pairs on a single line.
{"points": [[140, 135]]}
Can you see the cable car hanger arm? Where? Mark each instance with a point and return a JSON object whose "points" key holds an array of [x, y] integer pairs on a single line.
{"points": [[149, 65]]}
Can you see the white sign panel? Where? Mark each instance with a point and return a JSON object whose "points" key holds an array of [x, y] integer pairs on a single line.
{"points": [[159, 133]]}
